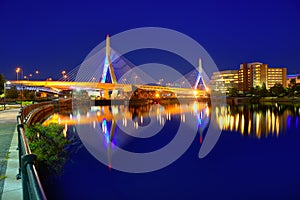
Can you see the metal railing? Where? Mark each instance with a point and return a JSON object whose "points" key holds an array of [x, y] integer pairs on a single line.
{"points": [[32, 187]]}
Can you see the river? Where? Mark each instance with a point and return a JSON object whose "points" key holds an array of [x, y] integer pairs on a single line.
{"points": [[188, 151]]}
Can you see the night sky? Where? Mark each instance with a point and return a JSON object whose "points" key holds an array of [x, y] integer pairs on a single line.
{"points": [[55, 35]]}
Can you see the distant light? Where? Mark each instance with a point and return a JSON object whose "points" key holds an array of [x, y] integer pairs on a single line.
{"points": [[195, 92]]}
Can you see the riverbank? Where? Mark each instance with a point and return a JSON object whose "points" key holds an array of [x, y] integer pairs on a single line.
{"points": [[263, 100]]}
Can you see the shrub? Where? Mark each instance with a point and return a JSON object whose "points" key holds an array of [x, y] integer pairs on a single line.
{"points": [[48, 143]]}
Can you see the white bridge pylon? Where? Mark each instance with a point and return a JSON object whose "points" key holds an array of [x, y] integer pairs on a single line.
{"points": [[200, 77], [108, 64]]}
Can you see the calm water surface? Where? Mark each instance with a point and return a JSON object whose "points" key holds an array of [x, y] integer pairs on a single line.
{"points": [[256, 156]]}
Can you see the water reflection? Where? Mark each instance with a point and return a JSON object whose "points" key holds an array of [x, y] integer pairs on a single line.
{"points": [[257, 120], [139, 115], [249, 120]]}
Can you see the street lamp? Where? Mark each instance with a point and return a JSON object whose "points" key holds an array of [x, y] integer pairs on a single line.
{"points": [[17, 71], [63, 73], [37, 73], [5, 84]]}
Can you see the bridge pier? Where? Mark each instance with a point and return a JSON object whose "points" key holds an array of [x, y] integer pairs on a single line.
{"points": [[106, 94]]}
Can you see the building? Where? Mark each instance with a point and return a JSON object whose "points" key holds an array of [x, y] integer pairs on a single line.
{"points": [[252, 75], [276, 75], [249, 75], [256, 74], [223, 81]]}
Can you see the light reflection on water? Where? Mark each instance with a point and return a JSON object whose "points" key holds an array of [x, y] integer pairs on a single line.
{"points": [[249, 120], [257, 120], [221, 171]]}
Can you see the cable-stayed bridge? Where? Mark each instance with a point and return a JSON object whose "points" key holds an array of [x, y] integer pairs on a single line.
{"points": [[110, 73]]}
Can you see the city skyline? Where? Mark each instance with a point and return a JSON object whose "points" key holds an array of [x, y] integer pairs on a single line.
{"points": [[52, 37]]}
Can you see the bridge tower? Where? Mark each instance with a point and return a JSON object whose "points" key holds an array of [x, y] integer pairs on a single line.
{"points": [[200, 77], [108, 67], [108, 64]]}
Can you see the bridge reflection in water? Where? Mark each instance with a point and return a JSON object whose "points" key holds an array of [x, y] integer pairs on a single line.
{"points": [[135, 117], [238, 150], [249, 120]]}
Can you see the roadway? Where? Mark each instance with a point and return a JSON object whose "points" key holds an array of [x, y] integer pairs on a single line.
{"points": [[65, 85]]}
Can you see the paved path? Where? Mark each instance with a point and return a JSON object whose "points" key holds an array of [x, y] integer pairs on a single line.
{"points": [[10, 188]]}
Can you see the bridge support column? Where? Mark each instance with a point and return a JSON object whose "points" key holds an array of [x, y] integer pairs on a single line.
{"points": [[106, 94]]}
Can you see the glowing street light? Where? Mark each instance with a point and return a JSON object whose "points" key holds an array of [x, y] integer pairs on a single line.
{"points": [[17, 71]]}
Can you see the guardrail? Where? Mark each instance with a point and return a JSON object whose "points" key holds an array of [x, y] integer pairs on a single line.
{"points": [[39, 114], [32, 187], [27, 109]]}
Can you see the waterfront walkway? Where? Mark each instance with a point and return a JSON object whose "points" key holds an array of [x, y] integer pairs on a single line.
{"points": [[10, 187]]}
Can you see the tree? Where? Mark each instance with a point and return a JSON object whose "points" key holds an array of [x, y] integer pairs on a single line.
{"points": [[28, 94], [255, 91], [277, 90], [233, 92], [12, 93], [2, 81], [263, 91], [297, 90], [292, 87]]}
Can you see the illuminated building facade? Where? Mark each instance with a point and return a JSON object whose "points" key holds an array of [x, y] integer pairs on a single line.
{"points": [[276, 75], [256, 74], [249, 75], [223, 81], [252, 75]]}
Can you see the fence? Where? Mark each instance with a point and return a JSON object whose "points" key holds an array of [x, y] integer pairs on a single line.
{"points": [[32, 187]]}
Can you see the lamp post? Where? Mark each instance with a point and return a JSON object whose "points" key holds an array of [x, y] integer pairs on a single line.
{"points": [[5, 84], [63, 73], [17, 71]]}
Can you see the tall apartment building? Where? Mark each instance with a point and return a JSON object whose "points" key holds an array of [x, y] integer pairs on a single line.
{"points": [[223, 81], [255, 74], [276, 75]]}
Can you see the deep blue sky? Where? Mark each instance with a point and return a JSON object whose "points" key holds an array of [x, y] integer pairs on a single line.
{"points": [[55, 35]]}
